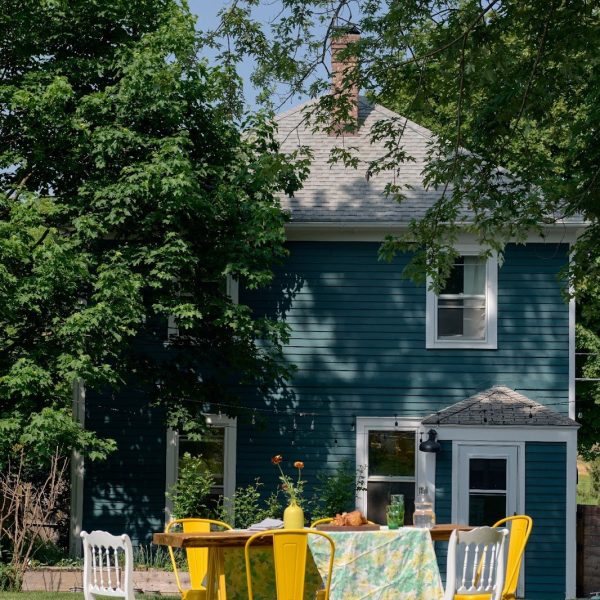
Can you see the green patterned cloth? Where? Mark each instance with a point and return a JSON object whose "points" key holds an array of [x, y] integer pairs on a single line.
{"points": [[375, 565], [381, 565], [263, 575]]}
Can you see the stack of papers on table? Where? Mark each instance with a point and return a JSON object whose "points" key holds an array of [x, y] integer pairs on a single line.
{"points": [[266, 524]]}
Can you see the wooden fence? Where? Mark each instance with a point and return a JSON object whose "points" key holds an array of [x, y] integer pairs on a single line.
{"points": [[588, 550]]}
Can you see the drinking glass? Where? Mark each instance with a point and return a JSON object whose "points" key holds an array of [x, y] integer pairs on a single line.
{"points": [[395, 515]]}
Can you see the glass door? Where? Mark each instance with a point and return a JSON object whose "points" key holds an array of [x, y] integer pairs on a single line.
{"points": [[390, 470], [487, 483]]}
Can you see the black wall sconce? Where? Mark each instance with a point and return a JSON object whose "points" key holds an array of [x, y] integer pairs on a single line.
{"points": [[430, 444]]}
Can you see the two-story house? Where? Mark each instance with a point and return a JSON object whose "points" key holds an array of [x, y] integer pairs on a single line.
{"points": [[485, 368]]}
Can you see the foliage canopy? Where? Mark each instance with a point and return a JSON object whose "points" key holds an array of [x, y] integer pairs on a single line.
{"points": [[511, 90], [131, 187]]}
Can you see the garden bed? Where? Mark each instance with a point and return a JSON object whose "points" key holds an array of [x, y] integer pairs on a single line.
{"points": [[70, 579]]}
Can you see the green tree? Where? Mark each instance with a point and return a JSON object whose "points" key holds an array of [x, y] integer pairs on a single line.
{"points": [[131, 186], [511, 89]]}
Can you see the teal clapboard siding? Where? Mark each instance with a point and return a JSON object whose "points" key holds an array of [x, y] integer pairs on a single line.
{"points": [[443, 499], [545, 503], [126, 492], [358, 341]]}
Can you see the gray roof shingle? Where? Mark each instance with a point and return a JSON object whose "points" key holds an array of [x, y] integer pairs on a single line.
{"points": [[499, 405], [335, 194]]}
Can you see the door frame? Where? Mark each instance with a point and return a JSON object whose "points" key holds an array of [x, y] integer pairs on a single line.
{"points": [[424, 462], [483, 449]]}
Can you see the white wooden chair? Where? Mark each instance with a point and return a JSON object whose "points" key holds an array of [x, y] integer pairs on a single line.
{"points": [[107, 565], [476, 564]]}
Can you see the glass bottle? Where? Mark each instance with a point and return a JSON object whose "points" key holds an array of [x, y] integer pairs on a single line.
{"points": [[423, 515]]}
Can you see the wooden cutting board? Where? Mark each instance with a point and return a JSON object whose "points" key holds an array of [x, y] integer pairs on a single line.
{"points": [[367, 527]]}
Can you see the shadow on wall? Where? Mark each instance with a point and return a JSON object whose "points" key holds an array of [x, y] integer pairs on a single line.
{"points": [[358, 341], [117, 491]]}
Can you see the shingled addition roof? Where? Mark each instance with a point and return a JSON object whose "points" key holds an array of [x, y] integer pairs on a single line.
{"points": [[499, 405]]}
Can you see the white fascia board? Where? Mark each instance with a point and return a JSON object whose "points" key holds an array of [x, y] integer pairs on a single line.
{"points": [[376, 232], [506, 433]]}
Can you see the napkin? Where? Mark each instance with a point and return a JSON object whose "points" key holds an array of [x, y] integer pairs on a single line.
{"points": [[266, 524]]}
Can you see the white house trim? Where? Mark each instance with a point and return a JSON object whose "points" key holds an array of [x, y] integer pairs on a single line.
{"points": [[491, 308], [77, 473], [424, 462], [520, 492], [521, 434], [229, 460], [376, 232], [572, 350]]}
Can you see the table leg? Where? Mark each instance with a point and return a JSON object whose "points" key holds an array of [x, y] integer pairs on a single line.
{"points": [[215, 575]]}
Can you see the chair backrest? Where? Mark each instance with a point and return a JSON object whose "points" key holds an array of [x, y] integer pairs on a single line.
{"points": [[107, 565], [520, 530], [475, 563], [290, 548], [197, 558]]}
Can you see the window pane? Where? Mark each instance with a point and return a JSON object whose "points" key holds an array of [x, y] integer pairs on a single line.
{"points": [[211, 448], [455, 281], [378, 497], [392, 453], [474, 275], [463, 316], [450, 318], [486, 509], [487, 474], [473, 319]]}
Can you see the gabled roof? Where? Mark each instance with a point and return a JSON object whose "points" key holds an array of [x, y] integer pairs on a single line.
{"points": [[499, 405], [335, 193]]}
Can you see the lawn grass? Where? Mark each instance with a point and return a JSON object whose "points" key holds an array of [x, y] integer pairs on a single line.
{"points": [[585, 492]]}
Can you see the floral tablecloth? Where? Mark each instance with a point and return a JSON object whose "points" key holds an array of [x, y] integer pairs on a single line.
{"points": [[372, 565], [381, 565]]}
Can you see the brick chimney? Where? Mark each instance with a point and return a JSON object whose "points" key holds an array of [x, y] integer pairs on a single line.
{"points": [[340, 69]]}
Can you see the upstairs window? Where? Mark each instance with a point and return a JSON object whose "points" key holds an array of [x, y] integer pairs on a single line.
{"points": [[463, 315]]}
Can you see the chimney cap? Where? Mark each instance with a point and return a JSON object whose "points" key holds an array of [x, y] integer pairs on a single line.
{"points": [[349, 29]]}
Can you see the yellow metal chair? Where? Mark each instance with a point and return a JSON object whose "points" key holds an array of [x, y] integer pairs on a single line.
{"points": [[290, 548], [520, 530], [197, 558]]}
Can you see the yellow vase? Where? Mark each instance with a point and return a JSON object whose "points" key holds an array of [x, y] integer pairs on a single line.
{"points": [[293, 516]]}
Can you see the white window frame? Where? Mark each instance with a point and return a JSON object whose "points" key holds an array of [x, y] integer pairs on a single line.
{"points": [[229, 424], [490, 341], [424, 462], [232, 290]]}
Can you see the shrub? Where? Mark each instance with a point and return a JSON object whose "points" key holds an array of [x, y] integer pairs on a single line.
{"points": [[247, 506], [336, 493], [191, 493]]}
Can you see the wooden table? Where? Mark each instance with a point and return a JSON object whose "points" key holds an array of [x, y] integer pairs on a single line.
{"points": [[233, 539], [217, 541]]}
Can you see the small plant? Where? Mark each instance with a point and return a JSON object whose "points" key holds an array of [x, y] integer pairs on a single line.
{"points": [[292, 489], [191, 493], [336, 493], [248, 507], [152, 557]]}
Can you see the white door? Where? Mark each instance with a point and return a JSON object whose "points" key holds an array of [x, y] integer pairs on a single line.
{"points": [[488, 483]]}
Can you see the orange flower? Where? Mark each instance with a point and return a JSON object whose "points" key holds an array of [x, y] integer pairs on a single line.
{"points": [[277, 459], [299, 464]]}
